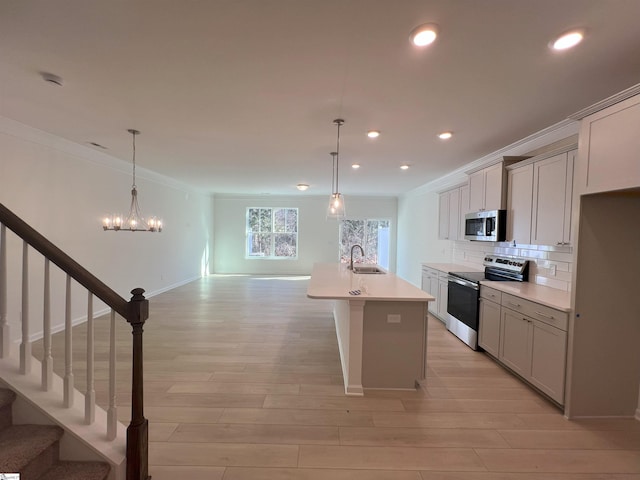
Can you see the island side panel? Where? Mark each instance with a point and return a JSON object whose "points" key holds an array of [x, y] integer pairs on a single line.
{"points": [[394, 344], [348, 316]]}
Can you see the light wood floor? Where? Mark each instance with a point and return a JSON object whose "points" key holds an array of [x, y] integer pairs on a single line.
{"points": [[243, 382]]}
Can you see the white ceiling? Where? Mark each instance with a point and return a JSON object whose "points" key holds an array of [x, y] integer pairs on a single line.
{"points": [[238, 96]]}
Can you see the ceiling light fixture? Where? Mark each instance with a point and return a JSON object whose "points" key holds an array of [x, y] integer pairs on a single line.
{"points": [[336, 202], [373, 133], [445, 135], [424, 35], [134, 222], [51, 78], [302, 187], [568, 40], [355, 166], [404, 167]]}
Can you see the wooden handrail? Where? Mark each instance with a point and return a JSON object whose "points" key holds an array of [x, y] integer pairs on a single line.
{"points": [[135, 312], [64, 261]]}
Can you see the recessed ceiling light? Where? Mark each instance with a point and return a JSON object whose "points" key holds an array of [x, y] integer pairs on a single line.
{"points": [[404, 167], [302, 187], [373, 133], [424, 34], [445, 135], [568, 40], [355, 166]]}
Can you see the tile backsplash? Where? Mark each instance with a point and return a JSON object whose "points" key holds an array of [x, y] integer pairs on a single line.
{"points": [[550, 266]]}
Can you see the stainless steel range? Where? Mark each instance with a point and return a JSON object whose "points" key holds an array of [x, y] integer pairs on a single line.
{"points": [[464, 293]]}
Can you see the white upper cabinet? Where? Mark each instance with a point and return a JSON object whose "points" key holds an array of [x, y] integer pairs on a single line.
{"points": [[488, 187], [551, 213], [610, 148], [449, 222], [520, 204]]}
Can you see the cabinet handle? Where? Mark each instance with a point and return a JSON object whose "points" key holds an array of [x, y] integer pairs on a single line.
{"points": [[514, 304], [550, 317]]}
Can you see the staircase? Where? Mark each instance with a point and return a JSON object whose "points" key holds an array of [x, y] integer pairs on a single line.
{"points": [[32, 450]]}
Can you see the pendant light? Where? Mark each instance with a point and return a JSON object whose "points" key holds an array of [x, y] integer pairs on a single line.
{"points": [[336, 201], [134, 222]]}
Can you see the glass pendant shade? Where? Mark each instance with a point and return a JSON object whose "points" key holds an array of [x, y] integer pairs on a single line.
{"points": [[336, 206], [336, 200]]}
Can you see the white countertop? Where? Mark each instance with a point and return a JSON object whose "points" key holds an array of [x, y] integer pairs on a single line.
{"points": [[551, 297], [334, 281], [451, 267]]}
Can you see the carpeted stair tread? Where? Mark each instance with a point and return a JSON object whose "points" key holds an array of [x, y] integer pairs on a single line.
{"points": [[77, 471], [6, 401], [6, 397], [20, 444]]}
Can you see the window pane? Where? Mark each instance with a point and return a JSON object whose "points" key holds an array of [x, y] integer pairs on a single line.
{"points": [[265, 220], [292, 220], [285, 245], [351, 233], [279, 220], [259, 244], [253, 220]]}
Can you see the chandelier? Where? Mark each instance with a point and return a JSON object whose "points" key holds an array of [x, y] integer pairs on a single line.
{"points": [[336, 201], [134, 222]]}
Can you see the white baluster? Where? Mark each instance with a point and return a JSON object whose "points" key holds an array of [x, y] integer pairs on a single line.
{"points": [[90, 395], [47, 360], [112, 412], [25, 346], [4, 324], [68, 349]]}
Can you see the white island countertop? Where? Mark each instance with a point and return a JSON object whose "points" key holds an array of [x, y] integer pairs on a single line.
{"points": [[335, 281]]}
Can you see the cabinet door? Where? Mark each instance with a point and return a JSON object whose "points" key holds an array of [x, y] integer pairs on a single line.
{"points": [[489, 329], [476, 191], [515, 342], [548, 359], [443, 216], [433, 289], [494, 194], [454, 214], [609, 153], [464, 209], [550, 212], [443, 297], [520, 204]]}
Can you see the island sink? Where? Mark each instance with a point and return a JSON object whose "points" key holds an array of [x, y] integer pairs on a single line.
{"points": [[368, 269]]}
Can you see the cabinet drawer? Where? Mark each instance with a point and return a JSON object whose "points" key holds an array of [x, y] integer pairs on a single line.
{"points": [[490, 294], [545, 314], [432, 272]]}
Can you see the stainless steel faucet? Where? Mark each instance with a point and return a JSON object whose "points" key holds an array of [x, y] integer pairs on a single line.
{"points": [[361, 251]]}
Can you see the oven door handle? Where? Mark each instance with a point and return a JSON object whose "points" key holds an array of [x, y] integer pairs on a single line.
{"points": [[464, 283]]}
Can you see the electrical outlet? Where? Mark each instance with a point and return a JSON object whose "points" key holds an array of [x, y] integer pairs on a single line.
{"points": [[393, 318]]}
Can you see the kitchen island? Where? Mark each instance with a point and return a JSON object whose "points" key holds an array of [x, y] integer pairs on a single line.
{"points": [[382, 331]]}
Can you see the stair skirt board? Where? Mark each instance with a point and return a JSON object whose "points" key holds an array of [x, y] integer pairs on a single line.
{"points": [[81, 442]]}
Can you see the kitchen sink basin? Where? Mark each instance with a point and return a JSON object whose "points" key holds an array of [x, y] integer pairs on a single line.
{"points": [[368, 269]]}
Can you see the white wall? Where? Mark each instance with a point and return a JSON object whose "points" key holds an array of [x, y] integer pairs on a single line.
{"points": [[317, 235], [62, 190], [418, 235]]}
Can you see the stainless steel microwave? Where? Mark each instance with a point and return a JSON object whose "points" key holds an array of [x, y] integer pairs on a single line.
{"points": [[486, 226]]}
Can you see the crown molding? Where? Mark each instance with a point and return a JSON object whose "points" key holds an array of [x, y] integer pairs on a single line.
{"points": [[607, 102], [542, 138], [33, 135]]}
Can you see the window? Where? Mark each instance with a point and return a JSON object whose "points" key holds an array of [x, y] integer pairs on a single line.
{"points": [[272, 232], [372, 235]]}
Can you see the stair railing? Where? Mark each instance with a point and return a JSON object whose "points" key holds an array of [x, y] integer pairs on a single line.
{"points": [[135, 312]]}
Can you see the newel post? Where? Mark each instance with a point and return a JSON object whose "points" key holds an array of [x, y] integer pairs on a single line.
{"points": [[138, 430]]}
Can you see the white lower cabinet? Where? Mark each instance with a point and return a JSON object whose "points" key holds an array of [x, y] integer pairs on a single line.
{"points": [[528, 338], [515, 342], [489, 334], [443, 297], [548, 359]]}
